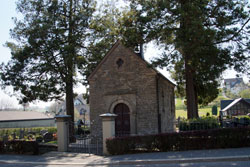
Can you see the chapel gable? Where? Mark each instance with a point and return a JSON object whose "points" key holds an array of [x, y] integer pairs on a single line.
{"points": [[124, 84]]}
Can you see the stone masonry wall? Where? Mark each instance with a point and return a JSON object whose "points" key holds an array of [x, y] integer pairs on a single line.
{"points": [[124, 78], [166, 105], [133, 79]]}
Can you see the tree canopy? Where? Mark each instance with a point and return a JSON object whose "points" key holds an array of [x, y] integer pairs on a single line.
{"points": [[245, 93], [50, 42], [58, 38], [201, 40]]}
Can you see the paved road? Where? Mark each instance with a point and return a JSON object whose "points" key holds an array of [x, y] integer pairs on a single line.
{"points": [[209, 164], [199, 158]]}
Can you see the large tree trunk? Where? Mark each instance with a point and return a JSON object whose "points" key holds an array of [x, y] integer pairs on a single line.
{"points": [[70, 109], [191, 94], [70, 68], [70, 100], [70, 71]]}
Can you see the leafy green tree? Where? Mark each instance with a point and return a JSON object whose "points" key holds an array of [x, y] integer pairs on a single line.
{"points": [[245, 94], [106, 29], [201, 39], [50, 42]]}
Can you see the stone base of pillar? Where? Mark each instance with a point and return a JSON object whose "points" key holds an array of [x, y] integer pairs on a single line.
{"points": [[108, 129], [62, 122]]}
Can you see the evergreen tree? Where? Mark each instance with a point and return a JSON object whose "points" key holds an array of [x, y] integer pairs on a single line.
{"points": [[50, 42], [202, 38], [106, 29]]}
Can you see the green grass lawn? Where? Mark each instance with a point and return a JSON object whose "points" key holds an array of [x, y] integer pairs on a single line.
{"points": [[179, 104], [181, 110], [181, 113], [202, 112]]}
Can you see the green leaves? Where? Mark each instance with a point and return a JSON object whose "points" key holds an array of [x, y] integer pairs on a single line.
{"points": [[245, 93], [50, 37], [205, 37]]}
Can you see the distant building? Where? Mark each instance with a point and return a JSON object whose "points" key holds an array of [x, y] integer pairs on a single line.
{"points": [[25, 119], [235, 85], [230, 108], [81, 110]]}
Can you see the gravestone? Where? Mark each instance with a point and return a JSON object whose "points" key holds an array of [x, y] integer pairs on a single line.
{"points": [[14, 136], [21, 135], [47, 137], [42, 132], [5, 138]]}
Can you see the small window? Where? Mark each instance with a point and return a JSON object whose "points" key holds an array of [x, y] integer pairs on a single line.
{"points": [[119, 62]]}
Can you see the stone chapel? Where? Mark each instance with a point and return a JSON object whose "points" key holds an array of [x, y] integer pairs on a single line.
{"points": [[123, 83]]}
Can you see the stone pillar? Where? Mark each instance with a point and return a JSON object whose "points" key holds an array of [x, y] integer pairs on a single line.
{"points": [[62, 122], [108, 129]]}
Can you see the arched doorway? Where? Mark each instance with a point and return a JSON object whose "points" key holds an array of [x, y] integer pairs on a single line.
{"points": [[122, 121]]}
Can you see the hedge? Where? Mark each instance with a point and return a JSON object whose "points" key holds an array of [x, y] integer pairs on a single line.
{"points": [[192, 140], [1, 146], [202, 123], [19, 147]]}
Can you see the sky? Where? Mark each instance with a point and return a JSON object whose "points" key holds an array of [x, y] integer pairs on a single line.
{"points": [[8, 10]]}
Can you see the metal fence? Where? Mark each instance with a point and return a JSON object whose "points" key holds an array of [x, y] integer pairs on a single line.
{"points": [[242, 122], [212, 124], [80, 142], [86, 145]]}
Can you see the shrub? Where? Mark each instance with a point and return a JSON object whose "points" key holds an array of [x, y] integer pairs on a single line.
{"points": [[39, 138], [203, 123], [148, 142], [120, 145], [189, 140], [52, 130], [21, 147], [1, 146]]}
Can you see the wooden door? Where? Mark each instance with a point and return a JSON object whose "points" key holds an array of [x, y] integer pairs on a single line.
{"points": [[122, 121]]}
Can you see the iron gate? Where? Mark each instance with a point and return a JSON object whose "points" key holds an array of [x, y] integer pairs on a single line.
{"points": [[83, 143]]}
